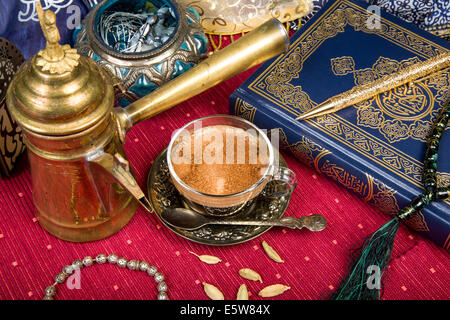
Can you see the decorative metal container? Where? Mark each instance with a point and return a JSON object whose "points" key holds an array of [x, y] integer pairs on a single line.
{"points": [[140, 73]]}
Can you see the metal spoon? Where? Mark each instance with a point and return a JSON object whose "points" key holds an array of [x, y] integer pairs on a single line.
{"points": [[190, 220]]}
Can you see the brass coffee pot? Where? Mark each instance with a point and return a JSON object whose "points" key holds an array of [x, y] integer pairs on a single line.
{"points": [[83, 187]]}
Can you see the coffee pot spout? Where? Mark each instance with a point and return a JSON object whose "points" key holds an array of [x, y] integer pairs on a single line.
{"points": [[105, 168]]}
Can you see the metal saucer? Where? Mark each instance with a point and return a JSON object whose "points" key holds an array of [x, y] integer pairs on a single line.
{"points": [[163, 194]]}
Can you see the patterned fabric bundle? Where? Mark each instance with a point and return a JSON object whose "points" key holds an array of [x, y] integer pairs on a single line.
{"points": [[431, 15], [19, 23]]}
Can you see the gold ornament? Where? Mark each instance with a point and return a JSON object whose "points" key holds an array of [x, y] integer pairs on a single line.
{"points": [[55, 58], [227, 17]]}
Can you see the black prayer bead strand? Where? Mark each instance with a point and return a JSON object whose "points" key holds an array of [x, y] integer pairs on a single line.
{"points": [[376, 249], [432, 192]]}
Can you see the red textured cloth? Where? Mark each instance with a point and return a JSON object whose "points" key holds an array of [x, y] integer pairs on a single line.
{"points": [[314, 262]]}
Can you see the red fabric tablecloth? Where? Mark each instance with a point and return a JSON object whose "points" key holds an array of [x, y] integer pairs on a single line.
{"points": [[314, 262]]}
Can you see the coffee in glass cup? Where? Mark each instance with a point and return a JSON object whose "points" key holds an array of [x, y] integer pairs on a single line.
{"points": [[221, 163]]}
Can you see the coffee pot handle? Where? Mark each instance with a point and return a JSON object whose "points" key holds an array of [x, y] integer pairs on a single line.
{"points": [[117, 167]]}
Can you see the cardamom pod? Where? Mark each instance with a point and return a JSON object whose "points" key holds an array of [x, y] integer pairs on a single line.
{"points": [[242, 293], [206, 258], [213, 292], [250, 274], [273, 290], [271, 252]]}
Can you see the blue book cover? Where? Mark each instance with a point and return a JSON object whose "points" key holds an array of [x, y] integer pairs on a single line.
{"points": [[374, 148]]}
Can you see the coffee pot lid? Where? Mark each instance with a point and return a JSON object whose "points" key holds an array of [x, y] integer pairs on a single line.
{"points": [[58, 91]]}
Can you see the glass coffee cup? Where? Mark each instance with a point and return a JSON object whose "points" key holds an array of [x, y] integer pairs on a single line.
{"points": [[220, 164]]}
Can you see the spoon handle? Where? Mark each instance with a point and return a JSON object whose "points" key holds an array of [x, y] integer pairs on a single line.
{"points": [[313, 222]]}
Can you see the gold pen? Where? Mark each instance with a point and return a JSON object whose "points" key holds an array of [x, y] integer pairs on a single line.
{"points": [[368, 90]]}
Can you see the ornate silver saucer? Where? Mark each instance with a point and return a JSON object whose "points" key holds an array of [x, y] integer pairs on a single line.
{"points": [[163, 194]]}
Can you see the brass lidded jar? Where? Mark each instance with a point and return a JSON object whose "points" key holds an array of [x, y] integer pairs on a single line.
{"points": [[63, 102]]}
